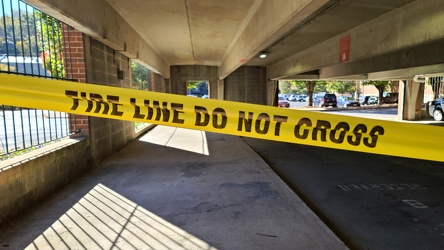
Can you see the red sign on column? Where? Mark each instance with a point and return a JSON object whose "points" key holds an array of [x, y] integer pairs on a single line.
{"points": [[344, 49]]}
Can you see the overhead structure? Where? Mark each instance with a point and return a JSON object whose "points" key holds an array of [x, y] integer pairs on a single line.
{"points": [[311, 39]]}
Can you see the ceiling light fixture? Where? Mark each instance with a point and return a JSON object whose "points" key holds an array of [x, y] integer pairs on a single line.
{"points": [[263, 54]]}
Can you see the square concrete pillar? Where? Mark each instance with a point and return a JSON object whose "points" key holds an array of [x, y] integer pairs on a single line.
{"points": [[411, 97]]}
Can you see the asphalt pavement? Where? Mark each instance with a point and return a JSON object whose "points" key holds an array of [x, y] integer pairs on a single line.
{"points": [[174, 189], [369, 201]]}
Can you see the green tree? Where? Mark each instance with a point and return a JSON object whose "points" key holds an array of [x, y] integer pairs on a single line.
{"points": [[300, 87], [285, 87], [203, 88], [341, 87], [18, 34], [139, 76], [192, 84], [381, 86], [321, 86], [49, 30]]}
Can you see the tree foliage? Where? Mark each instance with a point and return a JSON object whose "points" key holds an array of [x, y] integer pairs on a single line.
{"points": [[299, 87], [341, 87], [139, 76], [50, 30], [28, 33], [284, 87], [198, 88], [381, 86], [17, 38]]}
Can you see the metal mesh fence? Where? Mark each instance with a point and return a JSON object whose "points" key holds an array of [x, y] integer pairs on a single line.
{"points": [[35, 44]]}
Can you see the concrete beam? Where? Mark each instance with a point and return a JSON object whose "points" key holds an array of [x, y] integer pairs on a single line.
{"points": [[408, 73], [100, 21], [427, 54], [413, 25], [270, 22]]}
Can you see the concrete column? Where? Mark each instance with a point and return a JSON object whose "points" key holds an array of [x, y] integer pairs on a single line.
{"points": [[411, 95], [167, 86], [220, 89], [272, 87]]}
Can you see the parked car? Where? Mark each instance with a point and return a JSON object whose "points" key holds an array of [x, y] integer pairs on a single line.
{"points": [[390, 98], [368, 100], [292, 97], [302, 98], [282, 102], [435, 109], [347, 101], [373, 100], [325, 101]]}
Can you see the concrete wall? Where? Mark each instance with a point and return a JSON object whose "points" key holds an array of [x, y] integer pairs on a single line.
{"points": [[160, 84], [247, 84], [272, 95], [181, 74], [26, 179], [102, 66]]}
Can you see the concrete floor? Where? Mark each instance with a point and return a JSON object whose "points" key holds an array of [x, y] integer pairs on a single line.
{"points": [[174, 189]]}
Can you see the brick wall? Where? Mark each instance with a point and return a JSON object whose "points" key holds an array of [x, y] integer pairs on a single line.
{"points": [[74, 61]]}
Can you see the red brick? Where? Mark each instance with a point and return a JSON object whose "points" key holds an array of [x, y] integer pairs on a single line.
{"points": [[76, 45], [76, 76]]}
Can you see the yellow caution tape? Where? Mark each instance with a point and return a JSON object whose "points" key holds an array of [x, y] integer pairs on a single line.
{"points": [[234, 118]]}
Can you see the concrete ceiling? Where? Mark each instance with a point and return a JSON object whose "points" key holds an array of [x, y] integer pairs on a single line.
{"points": [[202, 32], [187, 32]]}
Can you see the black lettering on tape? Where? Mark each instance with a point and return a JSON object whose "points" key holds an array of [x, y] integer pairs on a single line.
{"points": [[355, 139], [150, 114], [98, 99], [164, 111], [247, 122], [374, 134], [219, 112], [322, 131], [201, 112], [321, 126], [262, 117], [114, 100], [137, 113], [342, 128], [177, 110], [75, 101], [90, 103], [279, 119], [297, 129]]}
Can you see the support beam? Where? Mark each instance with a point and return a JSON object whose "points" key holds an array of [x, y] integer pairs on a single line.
{"points": [[100, 21], [270, 22], [405, 29], [423, 55]]}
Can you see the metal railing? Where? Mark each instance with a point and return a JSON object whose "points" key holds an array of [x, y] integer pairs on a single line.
{"points": [[30, 128], [34, 44], [434, 88]]}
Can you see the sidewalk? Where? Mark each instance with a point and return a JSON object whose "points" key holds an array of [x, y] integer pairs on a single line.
{"points": [[174, 189]]}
